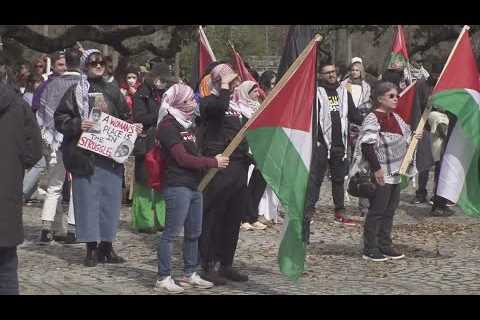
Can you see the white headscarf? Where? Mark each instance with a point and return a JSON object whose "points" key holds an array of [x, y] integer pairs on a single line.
{"points": [[178, 101], [242, 102]]}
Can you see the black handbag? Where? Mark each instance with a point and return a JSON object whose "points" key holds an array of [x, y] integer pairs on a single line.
{"points": [[361, 186]]}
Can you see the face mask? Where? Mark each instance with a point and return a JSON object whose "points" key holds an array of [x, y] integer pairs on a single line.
{"points": [[131, 82]]}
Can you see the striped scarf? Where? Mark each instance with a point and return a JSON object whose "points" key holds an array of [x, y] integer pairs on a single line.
{"points": [[81, 91], [325, 118]]}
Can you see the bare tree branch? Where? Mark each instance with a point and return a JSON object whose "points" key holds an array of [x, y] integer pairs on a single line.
{"points": [[106, 35]]}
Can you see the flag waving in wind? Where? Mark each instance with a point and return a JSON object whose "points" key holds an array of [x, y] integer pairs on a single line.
{"points": [[280, 138], [205, 53], [204, 56], [399, 54], [458, 92], [243, 72]]}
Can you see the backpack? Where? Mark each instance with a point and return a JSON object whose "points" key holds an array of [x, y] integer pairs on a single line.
{"points": [[156, 165]]}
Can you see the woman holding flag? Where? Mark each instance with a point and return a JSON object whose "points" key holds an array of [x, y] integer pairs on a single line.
{"points": [[184, 204], [382, 143]]}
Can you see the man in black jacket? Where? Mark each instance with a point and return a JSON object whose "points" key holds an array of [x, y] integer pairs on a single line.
{"points": [[21, 149], [336, 109], [224, 196]]}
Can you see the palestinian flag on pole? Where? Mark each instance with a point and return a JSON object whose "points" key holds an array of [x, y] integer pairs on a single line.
{"points": [[298, 38], [205, 53], [458, 92], [406, 102], [243, 72], [405, 109], [399, 54], [204, 56], [280, 137]]}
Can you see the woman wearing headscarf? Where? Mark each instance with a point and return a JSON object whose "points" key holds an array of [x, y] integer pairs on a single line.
{"points": [[148, 206], [96, 180], [245, 99], [184, 204], [224, 196], [381, 146]]}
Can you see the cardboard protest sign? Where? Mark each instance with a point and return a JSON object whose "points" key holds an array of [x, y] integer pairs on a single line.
{"points": [[110, 137]]}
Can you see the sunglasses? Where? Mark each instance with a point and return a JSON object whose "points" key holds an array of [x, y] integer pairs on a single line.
{"points": [[93, 64]]}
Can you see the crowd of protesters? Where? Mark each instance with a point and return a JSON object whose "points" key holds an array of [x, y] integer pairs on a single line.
{"points": [[357, 128]]}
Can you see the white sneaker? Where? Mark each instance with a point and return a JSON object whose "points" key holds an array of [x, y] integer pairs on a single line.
{"points": [[246, 226], [195, 281], [168, 285], [259, 226]]}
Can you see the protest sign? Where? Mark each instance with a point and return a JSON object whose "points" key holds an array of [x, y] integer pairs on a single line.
{"points": [[110, 137]]}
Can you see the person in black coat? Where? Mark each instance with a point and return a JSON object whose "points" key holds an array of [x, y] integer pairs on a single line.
{"points": [[224, 196], [96, 179], [21, 149], [148, 206]]}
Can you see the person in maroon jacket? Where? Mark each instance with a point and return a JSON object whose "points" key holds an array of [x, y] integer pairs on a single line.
{"points": [[184, 204]]}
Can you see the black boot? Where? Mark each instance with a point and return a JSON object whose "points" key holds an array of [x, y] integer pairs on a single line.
{"points": [[107, 255], [91, 258], [210, 274], [232, 274]]}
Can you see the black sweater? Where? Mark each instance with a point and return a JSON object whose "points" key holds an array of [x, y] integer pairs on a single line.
{"points": [[222, 124]]}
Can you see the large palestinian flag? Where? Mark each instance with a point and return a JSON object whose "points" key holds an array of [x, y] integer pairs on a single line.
{"points": [[280, 138], [457, 91]]}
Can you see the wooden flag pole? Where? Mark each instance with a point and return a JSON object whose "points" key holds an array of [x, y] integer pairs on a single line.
{"points": [[407, 160], [240, 135]]}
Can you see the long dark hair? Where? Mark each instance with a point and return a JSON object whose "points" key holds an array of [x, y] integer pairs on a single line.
{"points": [[266, 80]]}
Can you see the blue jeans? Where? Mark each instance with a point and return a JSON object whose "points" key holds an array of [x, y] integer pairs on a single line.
{"points": [[30, 181], [8, 271], [183, 209]]}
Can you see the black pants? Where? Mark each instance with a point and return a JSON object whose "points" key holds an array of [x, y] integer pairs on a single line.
{"points": [[224, 205], [421, 192], [8, 271], [256, 188], [377, 231], [338, 170]]}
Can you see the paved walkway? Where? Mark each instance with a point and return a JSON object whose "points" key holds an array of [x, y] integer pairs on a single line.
{"points": [[442, 258]]}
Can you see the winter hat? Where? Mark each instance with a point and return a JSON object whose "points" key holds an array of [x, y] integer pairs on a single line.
{"points": [[357, 59]]}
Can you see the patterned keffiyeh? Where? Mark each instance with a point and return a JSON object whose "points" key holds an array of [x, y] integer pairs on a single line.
{"points": [[242, 102], [216, 77], [390, 148], [81, 91]]}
